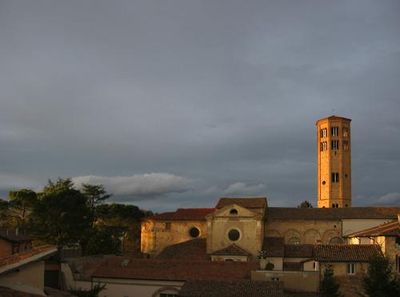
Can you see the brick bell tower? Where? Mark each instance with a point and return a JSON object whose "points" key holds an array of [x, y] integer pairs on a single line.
{"points": [[334, 162]]}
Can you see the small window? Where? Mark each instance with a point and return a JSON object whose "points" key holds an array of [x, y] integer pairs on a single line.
{"points": [[351, 268], [345, 132], [335, 131], [335, 177], [323, 146], [194, 232], [345, 145], [233, 235], [398, 264], [323, 132], [168, 226], [233, 212], [335, 145], [294, 240]]}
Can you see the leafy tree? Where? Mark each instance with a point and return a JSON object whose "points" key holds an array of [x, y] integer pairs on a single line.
{"points": [[305, 204], [61, 215], [329, 287], [103, 241], [95, 195], [4, 217], [380, 281], [20, 206]]}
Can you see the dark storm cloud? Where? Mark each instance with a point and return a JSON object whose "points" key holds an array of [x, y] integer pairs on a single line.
{"points": [[222, 93]]}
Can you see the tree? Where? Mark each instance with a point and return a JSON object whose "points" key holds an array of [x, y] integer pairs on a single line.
{"points": [[380, 281], [305, 204], [20, 206], [95, 195], [61, 215], [329, 287], [103, 241]]}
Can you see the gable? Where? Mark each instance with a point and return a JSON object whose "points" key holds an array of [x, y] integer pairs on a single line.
{"points": [[235, 211]]}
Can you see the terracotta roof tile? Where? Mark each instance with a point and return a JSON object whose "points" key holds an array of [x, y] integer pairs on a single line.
{"points": [[232, 250], [387, 229], [194, 250], [231, 289], [285, 213], [16, 258], [12, 236], [187, 214], [274, 246], [249, 202], [345, 253], [159, 269]]}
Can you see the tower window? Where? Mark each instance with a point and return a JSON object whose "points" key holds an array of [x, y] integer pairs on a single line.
{"points": [[345, 145], [335, 144], [194, 232], [335, 131], [324, 146], [345, 132], [323, 132], [335, 177]]}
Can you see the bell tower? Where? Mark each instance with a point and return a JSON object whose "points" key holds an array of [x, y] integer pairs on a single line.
{"points": [[334, 162]]}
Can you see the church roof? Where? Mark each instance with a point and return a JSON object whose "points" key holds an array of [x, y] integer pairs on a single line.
{"points": [[387, 229], [184, 214], [223, 288], [274, 246], [232, 250], [299, 250], [291, 213], [246, 202], [194, 249]]}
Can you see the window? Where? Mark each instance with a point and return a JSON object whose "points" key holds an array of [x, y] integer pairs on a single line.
{"points": [[335, 131], [335, 144], [194, 232], [345, 145], [345, 132], [335, 177], [351, 268], [294, 240], [233, 211], [324, 132], [323, 146], [398, 264], [167, 226], [233, 235]]}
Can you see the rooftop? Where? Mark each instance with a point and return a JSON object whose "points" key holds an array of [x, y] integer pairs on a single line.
{"points": [[291, 213], [173, 270], [194, 249], [345, 253], [232, 250], [223, 288], [185, 214], [246, 202]]}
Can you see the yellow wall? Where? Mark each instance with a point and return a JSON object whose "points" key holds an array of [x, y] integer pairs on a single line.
{"points": [[31, 275]]}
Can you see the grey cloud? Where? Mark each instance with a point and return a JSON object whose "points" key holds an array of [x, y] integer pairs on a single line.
{"points": [[145, 185], [241, 188], [389, 198]]}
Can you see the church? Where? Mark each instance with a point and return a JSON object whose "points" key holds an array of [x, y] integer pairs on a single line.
{"points": [[240, 228]]}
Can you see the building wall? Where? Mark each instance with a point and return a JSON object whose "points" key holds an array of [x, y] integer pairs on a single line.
{"points": [[249, 224], [330, 160], [340, 269], [355, 225], [30, 275], [134, 288], [157, 235], [308, 231]]}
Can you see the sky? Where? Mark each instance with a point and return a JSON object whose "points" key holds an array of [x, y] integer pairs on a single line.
{"points": [[176, 103]]}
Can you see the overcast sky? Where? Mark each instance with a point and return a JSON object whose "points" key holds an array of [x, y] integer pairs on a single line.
{"points": [[176, 103]]}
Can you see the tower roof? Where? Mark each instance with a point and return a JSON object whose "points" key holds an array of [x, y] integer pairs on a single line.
{"points": [[333, 117]]}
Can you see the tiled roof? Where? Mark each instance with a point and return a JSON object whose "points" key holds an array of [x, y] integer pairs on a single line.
{"points": [[287, 213], [13, 236], [345, 253], [232, 250], [249, 202], [186, 214], [299, 250], [274, 246], [231, 289], [159, 269], [25, 256], [387, 229], [194, 249]]}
